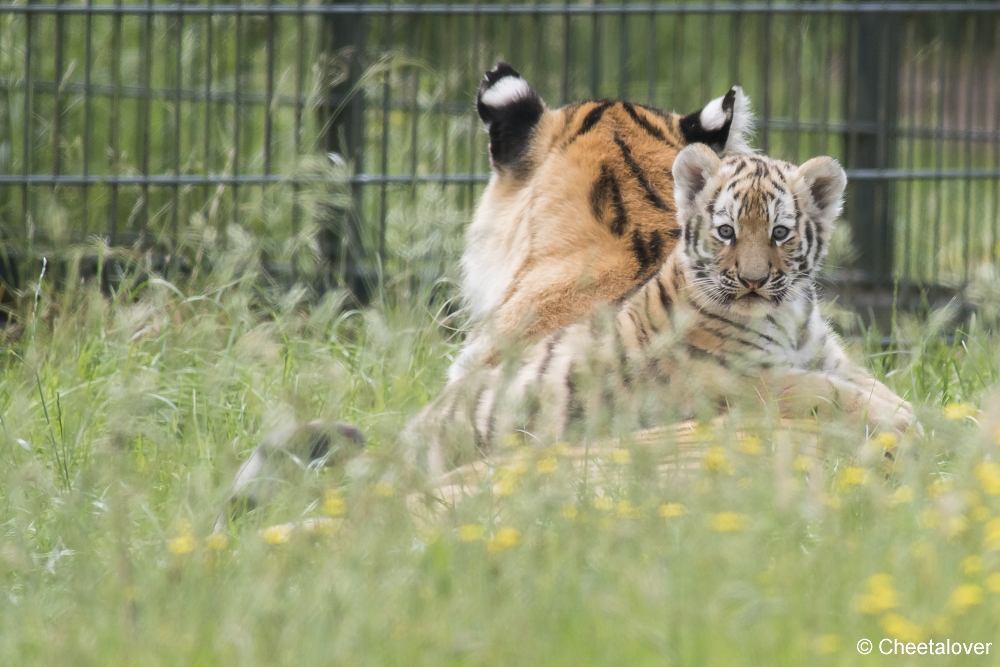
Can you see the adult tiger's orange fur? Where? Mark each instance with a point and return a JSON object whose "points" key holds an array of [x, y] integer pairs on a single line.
{"points": [[732, 316], [579, 209]]}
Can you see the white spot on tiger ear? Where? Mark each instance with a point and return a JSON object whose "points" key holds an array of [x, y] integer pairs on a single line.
{"points": [[506, 90], [713, 117]]}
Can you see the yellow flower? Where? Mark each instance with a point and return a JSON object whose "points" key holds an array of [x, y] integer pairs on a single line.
{"points": [[903, 494], [902, 629], [993, 582], [965, 596], [217, 541], [603, 503], [988, 474], [505, 538], [750, 445], [333, 503], [972, 565], [622, 456], [470, 532], [991, 535], [956, 411], [512, 440], [979, 513], [569, 511], [384, 490], [826, 644], [715, 461], [547, 465], [851, 476], [518, 467], [802, 463], [939, 487], [627, 509], [956, 525], [929, 518], [880, 596], [278, 534], [182, 544], [832, 501], [886, 440], [672, 510], [505, 486], [728, 522]]}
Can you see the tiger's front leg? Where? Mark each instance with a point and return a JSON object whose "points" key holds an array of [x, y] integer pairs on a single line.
{"points": [[802, 392]]}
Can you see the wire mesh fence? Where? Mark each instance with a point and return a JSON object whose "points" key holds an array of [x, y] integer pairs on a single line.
{"points": [[145, 123]]}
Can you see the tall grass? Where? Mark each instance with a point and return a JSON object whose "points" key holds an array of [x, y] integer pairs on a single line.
{"points": [[125, 416]]}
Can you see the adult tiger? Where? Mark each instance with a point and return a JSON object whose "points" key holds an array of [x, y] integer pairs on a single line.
{"points": [[578, 210], [733, 306]]}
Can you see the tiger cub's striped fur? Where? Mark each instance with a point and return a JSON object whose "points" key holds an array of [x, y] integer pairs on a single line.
{"points": [[734, 307], [579, 207]]}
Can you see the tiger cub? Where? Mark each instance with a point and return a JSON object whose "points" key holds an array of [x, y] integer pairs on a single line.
{"points": [[579, 207], [734, 303]]}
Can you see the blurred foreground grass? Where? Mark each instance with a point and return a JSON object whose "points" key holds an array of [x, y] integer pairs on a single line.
{"points": [[125, 417]]}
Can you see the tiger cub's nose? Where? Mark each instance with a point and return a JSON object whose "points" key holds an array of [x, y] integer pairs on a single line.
{"points": [[754, 283]]}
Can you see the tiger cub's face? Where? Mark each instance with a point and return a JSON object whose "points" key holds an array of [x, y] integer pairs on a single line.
{"points": [[756, 229]]}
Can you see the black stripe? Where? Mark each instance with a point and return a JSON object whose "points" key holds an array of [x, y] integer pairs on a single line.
{"points": [[574, 408], [698, 353], [641, 252], [476, 433], [622, 358], [664, 297], [643, 122], [737, 325], [591, 119], [640, 176], [606, 187], [549, 351]]}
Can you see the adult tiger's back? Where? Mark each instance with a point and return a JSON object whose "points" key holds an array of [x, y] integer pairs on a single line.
{"points": [[579, 208]]}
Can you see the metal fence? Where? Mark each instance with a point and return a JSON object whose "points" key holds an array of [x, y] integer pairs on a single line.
{"points": [[147, 123]]}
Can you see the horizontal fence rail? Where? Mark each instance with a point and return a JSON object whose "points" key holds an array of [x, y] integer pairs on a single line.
{"points": [[161, 125]]}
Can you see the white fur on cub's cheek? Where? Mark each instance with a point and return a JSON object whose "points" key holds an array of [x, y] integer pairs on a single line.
{"points": [[712, 116], [506, 90]]}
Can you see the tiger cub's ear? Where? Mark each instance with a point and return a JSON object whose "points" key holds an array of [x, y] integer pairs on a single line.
{"points": [[821, 189], [693, 166], [510, 109], [725, 124]]}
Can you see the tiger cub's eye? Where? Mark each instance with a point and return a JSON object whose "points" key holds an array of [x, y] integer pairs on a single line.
{"points": [[781, 233], [725, 232]]}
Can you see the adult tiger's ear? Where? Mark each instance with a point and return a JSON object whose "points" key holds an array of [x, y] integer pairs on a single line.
{"points": [[693, 166], [510, 109], [726, 124], [821, 189]]}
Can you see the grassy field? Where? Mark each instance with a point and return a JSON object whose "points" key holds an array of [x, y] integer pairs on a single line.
{"points": [[124, 418]]}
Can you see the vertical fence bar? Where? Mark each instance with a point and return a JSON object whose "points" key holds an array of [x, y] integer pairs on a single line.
{"points": [[300, 68], [57, 50], [873, 86], [147, 103], [564, 91], [623, 52], [911, 55], [651, 60], [268, 86], [29, 85], [765, 120], [477, 66], [175, 191], [595, 51], [794, 79], [88, 66], [939, 147], [970, 41], [386, 110], [114, 126], [237, 111], [209, 42]]}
